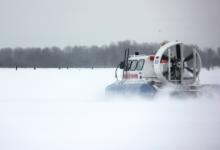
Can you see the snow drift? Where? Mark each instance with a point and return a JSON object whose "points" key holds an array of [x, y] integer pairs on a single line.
{"points": [[66, 109]]}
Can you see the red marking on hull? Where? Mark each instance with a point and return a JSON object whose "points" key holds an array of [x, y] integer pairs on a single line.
{"points": [[164, 61], [151, 57], [131, 76]]}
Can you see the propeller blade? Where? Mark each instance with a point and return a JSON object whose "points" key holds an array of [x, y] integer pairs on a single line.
{"points": [[189, 69], [178, 53], [188, 57]]}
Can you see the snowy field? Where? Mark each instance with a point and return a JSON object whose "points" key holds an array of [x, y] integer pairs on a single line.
{"points": [[51, 109]]}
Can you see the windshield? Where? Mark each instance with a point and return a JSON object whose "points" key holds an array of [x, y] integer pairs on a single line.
{"points": [[140, 64], [133, 65]]}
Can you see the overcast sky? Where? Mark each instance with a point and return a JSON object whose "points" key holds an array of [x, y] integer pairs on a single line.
{"points": [[96, 22]]}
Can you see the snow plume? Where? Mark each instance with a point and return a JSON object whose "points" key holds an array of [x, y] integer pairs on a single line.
{"points": [[51, 109]]}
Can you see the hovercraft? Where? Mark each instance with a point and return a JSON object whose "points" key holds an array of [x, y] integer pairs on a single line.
{"points": [[172, 68]]}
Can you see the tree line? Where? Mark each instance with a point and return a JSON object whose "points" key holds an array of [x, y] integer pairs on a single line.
{"points": [[88, 57]]}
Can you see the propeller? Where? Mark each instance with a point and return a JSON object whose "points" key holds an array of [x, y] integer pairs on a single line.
{"points": [[175, 70], [189, 69], [188, 58]]}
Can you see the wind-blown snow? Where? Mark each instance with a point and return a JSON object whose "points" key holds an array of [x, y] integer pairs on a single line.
{"points": [[51, 109]]}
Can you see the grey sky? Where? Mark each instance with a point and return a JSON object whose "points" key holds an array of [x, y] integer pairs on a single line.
{"points": [[96, 22]]}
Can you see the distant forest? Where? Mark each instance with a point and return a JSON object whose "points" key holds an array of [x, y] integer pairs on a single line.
{"points": [[88, 57]]}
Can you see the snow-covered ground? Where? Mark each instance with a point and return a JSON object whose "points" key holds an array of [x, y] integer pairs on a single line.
{"points": [[51, 109]]}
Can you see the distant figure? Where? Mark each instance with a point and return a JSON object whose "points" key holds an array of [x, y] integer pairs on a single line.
{"points": [[92, 67], [208, 67], [34, 67], [67, 67], [16, 68], [59, 67]]}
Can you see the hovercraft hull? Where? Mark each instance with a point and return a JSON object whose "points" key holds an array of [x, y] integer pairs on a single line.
{"points": [[141, 89]]}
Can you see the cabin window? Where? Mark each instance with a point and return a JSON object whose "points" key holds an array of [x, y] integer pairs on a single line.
{"points": [[140, 64], [133, 65]]}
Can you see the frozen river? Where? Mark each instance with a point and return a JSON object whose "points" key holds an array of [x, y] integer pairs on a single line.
{"points": [[51, 109]]}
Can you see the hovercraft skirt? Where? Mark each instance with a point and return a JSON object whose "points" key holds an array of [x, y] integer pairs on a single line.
{"points": [[143, 89]]}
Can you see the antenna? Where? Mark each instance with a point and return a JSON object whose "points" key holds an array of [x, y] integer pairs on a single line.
{"points": [[126, 56]]}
